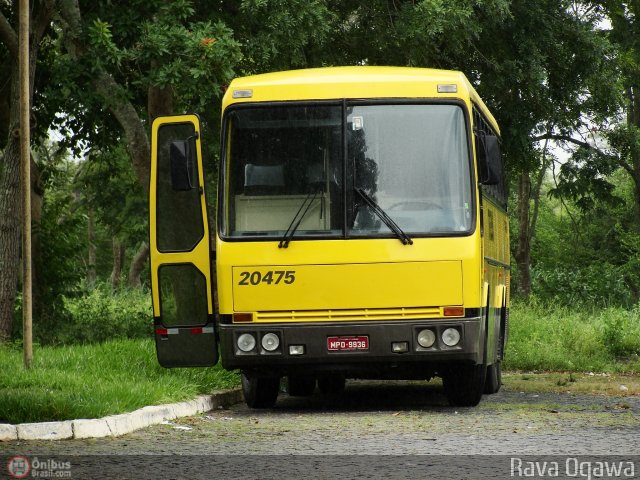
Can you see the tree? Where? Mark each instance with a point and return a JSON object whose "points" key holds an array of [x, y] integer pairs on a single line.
{"points": [[109, 190], [625, 137], [542, 67], [10, 204], [163, 58]]}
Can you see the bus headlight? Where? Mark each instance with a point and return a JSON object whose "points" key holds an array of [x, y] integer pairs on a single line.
{"points": [[451, 337], [270, 342], [426, 338], [246, 342]]}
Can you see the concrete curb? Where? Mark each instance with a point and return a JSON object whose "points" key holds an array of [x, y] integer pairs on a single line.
{"points": [[116, 425]]}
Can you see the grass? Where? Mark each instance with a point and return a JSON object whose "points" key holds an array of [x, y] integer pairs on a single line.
{"points": [[573, 339], [570, 382], [91, 381]]}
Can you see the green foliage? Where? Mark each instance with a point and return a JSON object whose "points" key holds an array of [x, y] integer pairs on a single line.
{"points": [[588, 252], [283, 34], [110, 189], [101, 39], [58, 240], [599, 283], [92, 381], [445, 32], [545, 336], [621, 331], [102, 315], [189, 51], [584, 179], [625, 140], [197, 57]]}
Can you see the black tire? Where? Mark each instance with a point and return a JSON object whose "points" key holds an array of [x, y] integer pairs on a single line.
{"points": [[494, 378], [331, 384], [301, 386], [464, 385], [260, 392]]}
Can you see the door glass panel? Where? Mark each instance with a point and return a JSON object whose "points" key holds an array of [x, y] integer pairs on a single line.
{"points": [[183, 296], [178, 212]]}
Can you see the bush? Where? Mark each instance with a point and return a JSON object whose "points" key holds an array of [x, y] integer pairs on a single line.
{"points": [[102, 315], [621, 331], [544, 336], [601, 284]]}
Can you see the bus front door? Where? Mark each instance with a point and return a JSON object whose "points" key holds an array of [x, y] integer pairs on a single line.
{"points": [[179, 246]]}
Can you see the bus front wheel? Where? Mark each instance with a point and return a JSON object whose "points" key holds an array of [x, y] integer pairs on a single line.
{"points": [[494, 378], [260, 392], [464, 384]]}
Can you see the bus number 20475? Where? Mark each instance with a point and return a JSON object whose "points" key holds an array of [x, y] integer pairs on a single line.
{"points": [[270, 277]]}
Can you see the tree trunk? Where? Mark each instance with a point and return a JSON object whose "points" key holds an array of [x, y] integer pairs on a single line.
{"points": [[137, 264], [135, 132], [37, 198], [636, 197], [10, 174], [91, 250], [118, 261], [10, 213], [523, 251], [160, 102]]}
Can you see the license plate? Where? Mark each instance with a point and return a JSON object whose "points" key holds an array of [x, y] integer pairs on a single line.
{"points": [[347, 344]]}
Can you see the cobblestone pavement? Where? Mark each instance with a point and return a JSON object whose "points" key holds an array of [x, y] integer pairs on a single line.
{"points": [[380, 419]]}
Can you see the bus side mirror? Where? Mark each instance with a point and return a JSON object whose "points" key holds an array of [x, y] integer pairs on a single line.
{"points": [[183, 159], [489, 159]]}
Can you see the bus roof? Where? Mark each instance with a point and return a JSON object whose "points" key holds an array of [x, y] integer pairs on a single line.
{"points": [[360, 82]]}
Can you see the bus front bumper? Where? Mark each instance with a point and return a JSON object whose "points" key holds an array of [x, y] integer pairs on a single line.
{"points": [[359, 349]]}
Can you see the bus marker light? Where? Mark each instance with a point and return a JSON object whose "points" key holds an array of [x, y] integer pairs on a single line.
{"points": [[453, 311], [451, 337], [246, 342], [248, 93], [296, 349], [400, 347], [242, 317], [426, 338], [270, 342], [448, 88]]}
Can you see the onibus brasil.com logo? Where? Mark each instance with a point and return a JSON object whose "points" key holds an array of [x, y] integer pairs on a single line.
{"points": [[21, 467]]}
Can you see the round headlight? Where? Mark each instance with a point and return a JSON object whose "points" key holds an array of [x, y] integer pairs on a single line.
{"points": [[270, 342], [426, 338], [246, 342], [451, 337]]}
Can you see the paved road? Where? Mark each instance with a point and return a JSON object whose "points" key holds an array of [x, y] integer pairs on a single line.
{"points": [[373, 427]]}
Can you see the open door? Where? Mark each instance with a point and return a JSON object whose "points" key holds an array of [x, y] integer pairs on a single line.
{"points": [[179, 240]]}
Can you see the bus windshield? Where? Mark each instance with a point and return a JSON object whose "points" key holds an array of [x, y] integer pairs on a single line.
{"points": [[286, 163]]}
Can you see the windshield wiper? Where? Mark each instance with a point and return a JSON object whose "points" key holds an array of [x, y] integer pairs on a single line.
{"points": [[297, 219], [404, 238]]}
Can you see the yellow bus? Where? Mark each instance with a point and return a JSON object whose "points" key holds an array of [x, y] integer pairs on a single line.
{"points": [[361, 232]]}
